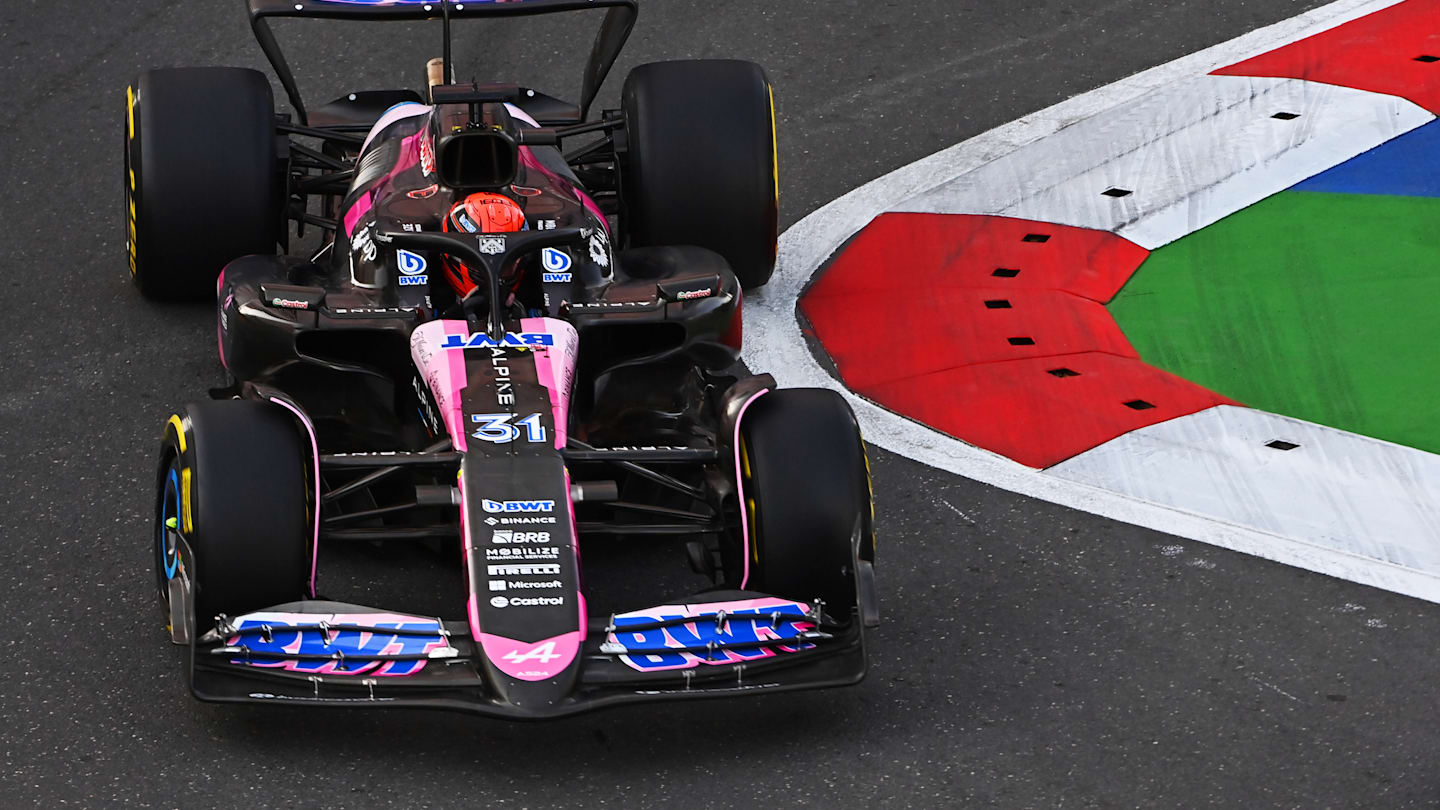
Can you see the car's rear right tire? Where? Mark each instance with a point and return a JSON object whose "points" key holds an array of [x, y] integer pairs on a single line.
{"points": [[203, 184], [233, 479]]}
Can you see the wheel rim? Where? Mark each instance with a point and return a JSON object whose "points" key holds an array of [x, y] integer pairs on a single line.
{"points": [[167, 551]]}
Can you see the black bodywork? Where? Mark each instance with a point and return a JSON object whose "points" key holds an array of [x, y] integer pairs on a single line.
{"points": [[652, 418]]}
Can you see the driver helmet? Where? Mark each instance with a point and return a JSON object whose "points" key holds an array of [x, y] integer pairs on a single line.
{"points": [[480, 213], [486, 212]]}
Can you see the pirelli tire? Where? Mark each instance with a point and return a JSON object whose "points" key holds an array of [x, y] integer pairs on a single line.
{"points": [[699, 165], [203, 184], [232, 477], [807, 498]]}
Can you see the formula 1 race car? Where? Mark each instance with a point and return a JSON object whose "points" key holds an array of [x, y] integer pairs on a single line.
{"points": [[502, 349]]}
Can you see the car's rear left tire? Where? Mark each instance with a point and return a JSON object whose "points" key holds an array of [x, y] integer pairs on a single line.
{"points": [[700, 165], [203, 184], [807, 498], [232, 476]]}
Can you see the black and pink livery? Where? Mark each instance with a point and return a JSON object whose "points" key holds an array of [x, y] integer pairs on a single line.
{"points": [[519, 395]]}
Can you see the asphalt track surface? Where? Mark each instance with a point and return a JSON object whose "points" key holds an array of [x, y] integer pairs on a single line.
{"points": [[1031, 656]]}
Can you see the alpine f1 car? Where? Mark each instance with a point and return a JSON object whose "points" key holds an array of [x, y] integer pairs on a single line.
{"points": [[517, 340]]}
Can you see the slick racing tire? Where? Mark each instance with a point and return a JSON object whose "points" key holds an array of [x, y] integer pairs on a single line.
{"points": [[232, 476], [807, 497], [203, 184], [700, 166]]}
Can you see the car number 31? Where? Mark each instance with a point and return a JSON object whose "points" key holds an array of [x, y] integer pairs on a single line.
{"points": [[498, 428]]}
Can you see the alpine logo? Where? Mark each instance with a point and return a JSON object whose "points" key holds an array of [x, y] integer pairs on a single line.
{"points": [[497, 507], [491, 245]]}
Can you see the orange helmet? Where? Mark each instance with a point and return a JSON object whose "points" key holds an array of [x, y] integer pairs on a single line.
{"points": [[486, 212], [481, 212]]}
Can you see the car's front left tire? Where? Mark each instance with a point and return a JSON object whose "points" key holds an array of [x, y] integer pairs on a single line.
{"points": [[807, 499], [232, 478]]}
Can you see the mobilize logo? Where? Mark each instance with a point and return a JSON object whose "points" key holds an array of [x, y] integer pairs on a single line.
{"points": [[505, 553], [497, 507]]}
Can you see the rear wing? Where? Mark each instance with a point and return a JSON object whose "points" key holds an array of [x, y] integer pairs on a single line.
{"points": [[614, 30]]}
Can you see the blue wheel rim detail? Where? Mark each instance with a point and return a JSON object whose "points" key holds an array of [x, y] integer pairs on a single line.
{"points": [[172, 561]]}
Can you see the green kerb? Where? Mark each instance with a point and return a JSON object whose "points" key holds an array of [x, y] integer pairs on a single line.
{"points": [[1324, 307]]}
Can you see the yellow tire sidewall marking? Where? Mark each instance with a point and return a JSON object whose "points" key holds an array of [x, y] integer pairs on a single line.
{"points": [[186, 513]]}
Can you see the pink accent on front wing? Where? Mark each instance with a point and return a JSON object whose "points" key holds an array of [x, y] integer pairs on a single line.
{"points": [[555, 366], [444, 371], [472, 610], [539, 660], [740, 488], [315, 455], [579, 570]]}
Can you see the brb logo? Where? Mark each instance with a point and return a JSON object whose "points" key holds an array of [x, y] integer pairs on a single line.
{"points": [[303, 634], [696, 626]]}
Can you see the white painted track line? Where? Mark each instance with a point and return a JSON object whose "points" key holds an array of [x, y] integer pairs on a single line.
{"points": [[1191, 153]]}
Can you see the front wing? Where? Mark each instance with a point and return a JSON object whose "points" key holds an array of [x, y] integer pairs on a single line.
{"points": [[347, 656]]}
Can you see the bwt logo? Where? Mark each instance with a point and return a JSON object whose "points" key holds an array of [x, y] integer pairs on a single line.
{"points": [[554, 261], [743, 627], [411, 264], [421, 638], [524, 340], [517, 506]]}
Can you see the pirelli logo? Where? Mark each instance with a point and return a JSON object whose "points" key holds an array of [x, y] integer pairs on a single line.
{"points": [[537, 570]]}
